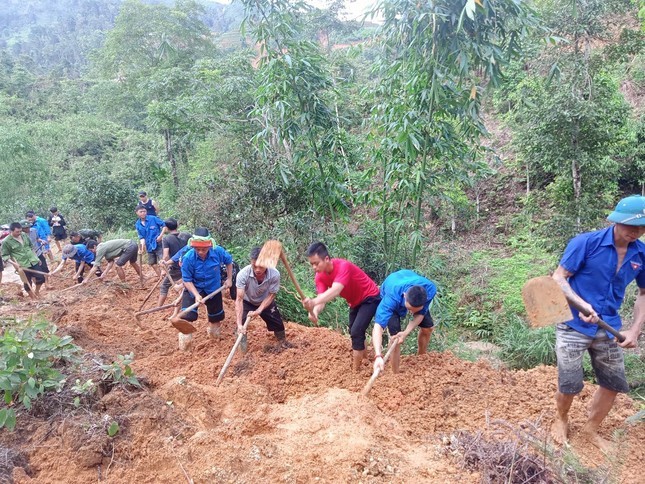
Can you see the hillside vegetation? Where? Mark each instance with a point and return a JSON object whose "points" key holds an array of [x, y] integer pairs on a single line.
{"points": [[466, 140]]}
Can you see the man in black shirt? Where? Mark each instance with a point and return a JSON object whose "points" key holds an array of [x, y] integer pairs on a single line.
{"points": [[171, 244]]}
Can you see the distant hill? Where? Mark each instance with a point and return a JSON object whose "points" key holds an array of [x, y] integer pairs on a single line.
{"points": [[58, 36]]}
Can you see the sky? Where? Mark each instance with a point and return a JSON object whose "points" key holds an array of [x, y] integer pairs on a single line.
{"points": [[355, 9]]}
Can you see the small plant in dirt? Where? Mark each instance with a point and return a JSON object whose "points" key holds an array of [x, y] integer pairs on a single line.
{"points": [[120, 371], [83, 390], [30, 357], [113, 429]]}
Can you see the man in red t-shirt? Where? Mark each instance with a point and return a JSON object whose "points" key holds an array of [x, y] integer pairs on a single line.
{"points": [[339, 277]]}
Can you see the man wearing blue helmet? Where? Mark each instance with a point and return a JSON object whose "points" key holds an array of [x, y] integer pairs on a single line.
{"points": [[594, 271]]}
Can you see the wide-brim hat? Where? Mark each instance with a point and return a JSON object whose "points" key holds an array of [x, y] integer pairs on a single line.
{"points": [[629, 211], [69, 250]]}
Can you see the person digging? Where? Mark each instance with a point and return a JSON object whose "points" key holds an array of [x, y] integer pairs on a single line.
{"points": [[403, 291], [83, 259], [594, 271], [256, 290], [339, 277], [117, 253], [18, 248], [200, 271]]}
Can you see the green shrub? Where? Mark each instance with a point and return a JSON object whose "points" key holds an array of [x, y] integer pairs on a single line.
{"points": [[523, 348], [120, 371], [29, 357]]}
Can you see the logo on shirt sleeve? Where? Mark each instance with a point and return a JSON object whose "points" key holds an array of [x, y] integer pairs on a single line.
{"points": [[636, 265]]}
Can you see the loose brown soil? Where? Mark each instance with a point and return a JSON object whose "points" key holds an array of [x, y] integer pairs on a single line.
{"points": [[293, 415]]}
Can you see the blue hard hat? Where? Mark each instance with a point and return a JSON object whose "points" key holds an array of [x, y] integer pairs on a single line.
{"points": [[629, 211]]}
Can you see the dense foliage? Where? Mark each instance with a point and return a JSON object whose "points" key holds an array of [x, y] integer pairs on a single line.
{"points": [[302, 126]]}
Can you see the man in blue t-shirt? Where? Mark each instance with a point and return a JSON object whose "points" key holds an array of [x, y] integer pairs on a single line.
{"points": [[594, 271], [200, 271], [81, 255], [403, 291], [150, 230]]}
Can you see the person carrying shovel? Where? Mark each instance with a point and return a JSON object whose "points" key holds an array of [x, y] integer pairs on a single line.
{"points": [[403, 291], [594, 271], [150, 230], [339, 277], [171, 244], [200, 271], [256, 290]]}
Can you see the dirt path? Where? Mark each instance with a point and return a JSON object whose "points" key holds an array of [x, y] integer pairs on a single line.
{"points": [[289, 416]]}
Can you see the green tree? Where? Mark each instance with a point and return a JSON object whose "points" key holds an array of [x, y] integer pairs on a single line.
{"points": [[298, 125], [146, 60], [437, 58], [570, 124]]}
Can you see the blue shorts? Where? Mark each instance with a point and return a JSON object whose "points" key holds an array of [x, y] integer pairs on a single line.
{"points": [[606, 359]]}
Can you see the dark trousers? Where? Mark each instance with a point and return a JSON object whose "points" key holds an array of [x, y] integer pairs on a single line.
{"points": [[213, 306], [360, 318], [271, 316]]}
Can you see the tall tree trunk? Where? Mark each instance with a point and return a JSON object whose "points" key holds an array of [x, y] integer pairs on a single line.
{"points": [[419, 210], [171, 157], [575, 175]]}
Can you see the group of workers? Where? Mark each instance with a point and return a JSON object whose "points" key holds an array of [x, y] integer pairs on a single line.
{"points": [[594, 271]]}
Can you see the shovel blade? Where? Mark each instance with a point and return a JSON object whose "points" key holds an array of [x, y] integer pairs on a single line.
{"points": [[545, 302], [270, 254], [184, 326]]}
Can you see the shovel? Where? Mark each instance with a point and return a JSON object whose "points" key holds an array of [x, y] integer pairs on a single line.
{"points": [[45, 274], [227, 363], [185, 326], [368, 386], [546, 305], [25, 281], [270, 254], [141, 267], [150, 293]]}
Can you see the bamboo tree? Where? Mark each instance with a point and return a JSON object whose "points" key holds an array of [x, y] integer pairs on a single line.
{"points": [[437, 59], [293, 102]]}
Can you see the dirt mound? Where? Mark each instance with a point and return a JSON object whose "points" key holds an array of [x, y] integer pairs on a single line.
{"points": [[291, 415]]}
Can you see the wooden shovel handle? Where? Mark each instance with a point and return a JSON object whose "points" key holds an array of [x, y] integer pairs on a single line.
{"points": [[283, 258], [140, 267], [600, 322], [46, 274], [193, 306], [227, 363], [25, 281], [150, 293], [370, 383]]}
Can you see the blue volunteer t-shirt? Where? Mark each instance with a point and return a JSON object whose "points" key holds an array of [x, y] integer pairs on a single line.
{"points": [[150, 231], [180, 253], [392, 290], [592, 258], [42, 226], [205, 273], [83, 254]]}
